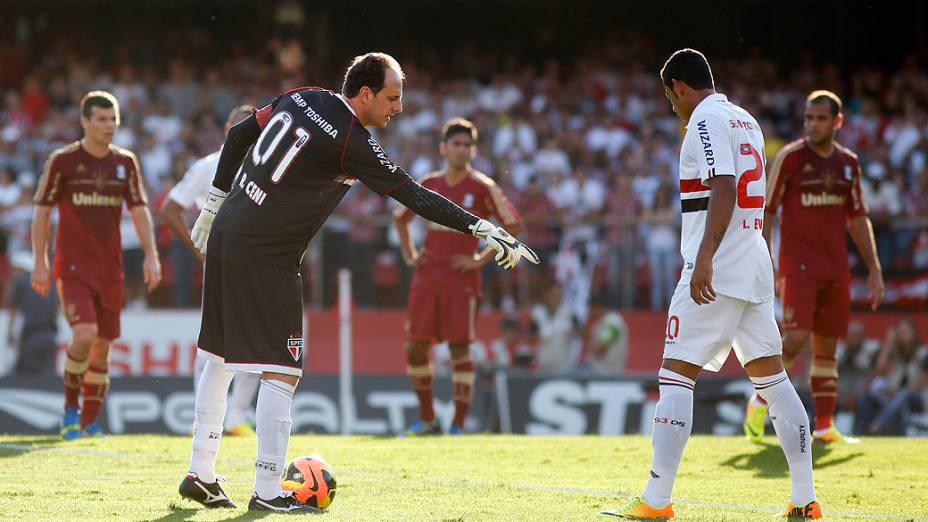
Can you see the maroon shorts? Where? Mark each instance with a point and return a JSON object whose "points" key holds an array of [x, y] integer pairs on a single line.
{"points": [[822, 306], [96, 301], [446, 316]]}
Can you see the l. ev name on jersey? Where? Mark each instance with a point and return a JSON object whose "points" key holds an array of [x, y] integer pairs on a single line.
{"points": [[706, 143], [314, 116]]}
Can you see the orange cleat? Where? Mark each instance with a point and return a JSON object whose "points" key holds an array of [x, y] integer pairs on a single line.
{"points": [[240, 430], [811, 510], [638, 509], [832, 434]]}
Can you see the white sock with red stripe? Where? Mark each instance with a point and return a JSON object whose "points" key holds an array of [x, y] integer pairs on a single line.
{"points": [[272, 419], [673, 420], [212, 388], [791, 423]]}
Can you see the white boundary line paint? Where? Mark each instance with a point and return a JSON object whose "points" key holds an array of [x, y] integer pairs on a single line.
{"points": [[26, 448]]}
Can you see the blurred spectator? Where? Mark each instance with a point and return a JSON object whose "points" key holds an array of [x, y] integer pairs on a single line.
{"points": [[509, 350], [662, 241], [607, 345], [37, 336], [9, 190], [900, 380], [622, 212], [557, 333], [856, 356], [363, 207]]}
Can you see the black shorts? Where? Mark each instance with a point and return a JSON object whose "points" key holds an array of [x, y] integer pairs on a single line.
{"points": [[252, 311]]}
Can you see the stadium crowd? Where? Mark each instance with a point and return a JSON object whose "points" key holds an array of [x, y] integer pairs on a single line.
{"points": [[586, 150]]}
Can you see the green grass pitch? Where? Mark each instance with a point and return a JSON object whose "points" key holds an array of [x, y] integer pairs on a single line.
{"points": [[482, 477]]}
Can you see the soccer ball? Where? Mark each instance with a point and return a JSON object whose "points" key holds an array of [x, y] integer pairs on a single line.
{"points": [[312, 481]]}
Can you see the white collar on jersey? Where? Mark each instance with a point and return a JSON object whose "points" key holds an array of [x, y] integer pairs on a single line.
{"points": [[345, 101], [711, 98]]}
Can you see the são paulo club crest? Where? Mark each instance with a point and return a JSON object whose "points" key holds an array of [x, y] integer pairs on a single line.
{"points": [[295, 346]]}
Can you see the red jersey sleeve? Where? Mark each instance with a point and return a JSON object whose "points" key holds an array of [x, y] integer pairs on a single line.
{"points": [[49, 186], [856, 206], [135, 190], [777, 177]]}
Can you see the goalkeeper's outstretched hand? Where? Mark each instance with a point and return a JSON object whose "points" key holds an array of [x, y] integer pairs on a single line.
{"points": [[200, 232], [509, 250]]}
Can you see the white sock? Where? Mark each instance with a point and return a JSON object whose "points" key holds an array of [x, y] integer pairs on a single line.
{"points": [[673, 421], [792, 426], [272, 419], [207, 428], [244, 388], [198, 364]]}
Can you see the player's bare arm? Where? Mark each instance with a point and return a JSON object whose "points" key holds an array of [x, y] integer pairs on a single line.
{"points": [[464, 263], [141, 218], [41, 229], [721, 206], [862, 231], [173, 216], [411, 255]]}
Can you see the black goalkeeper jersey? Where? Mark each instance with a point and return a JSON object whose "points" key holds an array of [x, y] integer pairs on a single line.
{"points": [[310, 149]]}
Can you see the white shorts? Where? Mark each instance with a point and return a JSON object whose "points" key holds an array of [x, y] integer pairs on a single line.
{"points": [[704, 334]]}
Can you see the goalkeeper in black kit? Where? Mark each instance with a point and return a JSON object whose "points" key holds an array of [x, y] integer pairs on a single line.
{"points": [[281, 173]]}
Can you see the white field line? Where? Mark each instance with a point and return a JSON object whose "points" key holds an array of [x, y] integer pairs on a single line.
{"points": [[68, 451]]}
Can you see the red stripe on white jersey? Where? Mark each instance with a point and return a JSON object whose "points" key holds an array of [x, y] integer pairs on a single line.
{"points": [[692, 185]]}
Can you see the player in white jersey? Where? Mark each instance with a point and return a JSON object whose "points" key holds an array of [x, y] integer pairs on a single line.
{"points": [[189, 191], [725, 295]]}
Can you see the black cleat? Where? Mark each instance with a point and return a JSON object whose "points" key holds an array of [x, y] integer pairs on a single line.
{"points": [[285, 503], [210, 495]]}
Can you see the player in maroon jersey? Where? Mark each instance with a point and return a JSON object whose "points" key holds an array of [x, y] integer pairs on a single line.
{"points": [[444, 290], [816, 181], [88, 181]]}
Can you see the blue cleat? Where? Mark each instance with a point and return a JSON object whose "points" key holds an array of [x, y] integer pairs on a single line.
{"points": [[71, 424], [420, 428], [93, 430], [455, 430]]}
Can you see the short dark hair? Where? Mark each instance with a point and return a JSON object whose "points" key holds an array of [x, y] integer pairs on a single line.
{"points": [[690, 67], [239, 113], [457, 126], [101, 99], [829, 97], [369, 70]]}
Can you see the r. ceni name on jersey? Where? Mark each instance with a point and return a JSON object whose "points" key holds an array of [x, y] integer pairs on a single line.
{"points": [[314, 116]]}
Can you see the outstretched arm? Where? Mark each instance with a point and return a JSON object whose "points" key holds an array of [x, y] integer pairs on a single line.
{"points": [[441, 210], [434, 207]]}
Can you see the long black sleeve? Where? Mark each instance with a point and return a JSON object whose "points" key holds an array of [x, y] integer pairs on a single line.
{"points": [[434, 207], [241, 136]]}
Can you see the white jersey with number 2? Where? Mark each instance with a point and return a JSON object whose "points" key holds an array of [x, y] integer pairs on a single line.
{"points": [[723, 139]]}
